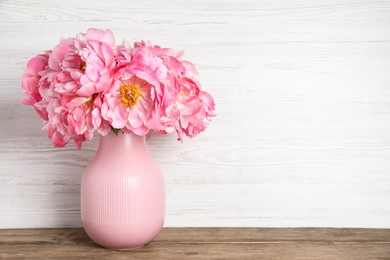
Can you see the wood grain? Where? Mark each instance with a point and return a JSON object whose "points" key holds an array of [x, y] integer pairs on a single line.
{"points": [[205, 243], [302, 136]]}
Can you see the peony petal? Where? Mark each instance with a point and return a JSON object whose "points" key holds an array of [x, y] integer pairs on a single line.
{"points": [[105, 36], [58, 53]]}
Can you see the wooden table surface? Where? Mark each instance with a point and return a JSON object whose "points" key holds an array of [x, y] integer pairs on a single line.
{"points": [[204, 243]]}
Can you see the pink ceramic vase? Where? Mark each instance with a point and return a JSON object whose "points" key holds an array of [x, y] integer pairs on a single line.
{"points": [[122, 193]]}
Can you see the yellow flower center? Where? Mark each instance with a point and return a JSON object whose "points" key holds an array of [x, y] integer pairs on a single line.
{"points": [[129, 95]]}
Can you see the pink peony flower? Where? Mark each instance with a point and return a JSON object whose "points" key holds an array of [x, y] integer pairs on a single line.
{"points": [[57, 126], [30, 83], [84, 117], [165, 64], [190, 113], [69, 67], [130, 105], [96, 48]]}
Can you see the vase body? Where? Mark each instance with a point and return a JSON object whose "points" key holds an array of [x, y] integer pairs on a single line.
{"points": [[122, 193]]}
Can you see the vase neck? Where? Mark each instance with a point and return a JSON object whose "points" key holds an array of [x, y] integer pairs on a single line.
{"points": [[122, 143]]}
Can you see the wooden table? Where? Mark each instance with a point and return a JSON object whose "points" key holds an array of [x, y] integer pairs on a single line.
{"points": [[204, 243]]}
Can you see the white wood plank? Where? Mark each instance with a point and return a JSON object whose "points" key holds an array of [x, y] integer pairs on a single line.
{"points": [[302, 136]]}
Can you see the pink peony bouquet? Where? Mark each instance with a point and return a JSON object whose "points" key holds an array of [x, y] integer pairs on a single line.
{"points": [[87, 84]]}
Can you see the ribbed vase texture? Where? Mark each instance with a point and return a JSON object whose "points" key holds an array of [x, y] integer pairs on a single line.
{"points": [[122, 193]]}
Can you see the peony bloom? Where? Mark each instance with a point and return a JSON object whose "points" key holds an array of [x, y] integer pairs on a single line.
{"points": [[183, 106], [31, 81], [96, 48], [165, 65], [191, 111], [57, 126], [130, 105], [84, 117], [68, 67]]}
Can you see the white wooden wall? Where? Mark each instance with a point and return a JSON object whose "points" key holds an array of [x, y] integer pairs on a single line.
{"points": [[302, 136]]}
